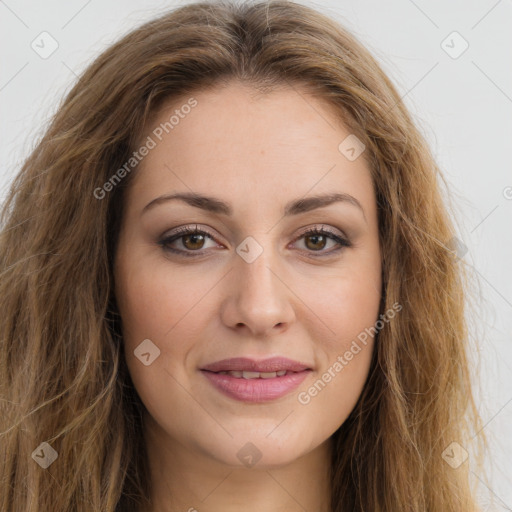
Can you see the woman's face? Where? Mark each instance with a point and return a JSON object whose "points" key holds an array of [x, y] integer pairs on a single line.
{"points": [[251, 284]]}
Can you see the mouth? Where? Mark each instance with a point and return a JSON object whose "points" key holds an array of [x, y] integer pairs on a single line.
{"points": [[248, 380]]}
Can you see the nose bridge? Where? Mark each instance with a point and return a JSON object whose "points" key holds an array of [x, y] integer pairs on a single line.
{"points": [[254, 270], [258, 298]]}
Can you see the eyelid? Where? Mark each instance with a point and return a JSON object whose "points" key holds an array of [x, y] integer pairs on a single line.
{"points": [[187, 230], [324, 229]]}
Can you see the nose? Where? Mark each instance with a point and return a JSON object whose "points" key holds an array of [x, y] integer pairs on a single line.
{"points": [[258, 299]]}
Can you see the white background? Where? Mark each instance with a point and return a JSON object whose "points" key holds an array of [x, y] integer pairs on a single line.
{"points": [[463, 106]]}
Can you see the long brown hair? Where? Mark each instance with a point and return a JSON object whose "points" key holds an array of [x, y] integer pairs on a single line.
{"points": [[63, 377]]}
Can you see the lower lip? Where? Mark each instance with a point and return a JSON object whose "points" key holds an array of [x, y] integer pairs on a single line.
{"points": [[255, 390]]}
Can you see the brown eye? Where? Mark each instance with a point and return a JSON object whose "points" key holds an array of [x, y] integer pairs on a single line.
{"points": [[318, 242], [193, 241]]}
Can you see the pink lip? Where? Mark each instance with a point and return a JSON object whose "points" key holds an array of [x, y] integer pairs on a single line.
{"points": [[272, 364], [255, 390]]}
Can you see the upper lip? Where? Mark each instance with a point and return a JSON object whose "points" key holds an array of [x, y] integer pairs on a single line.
{"points": [[272, 364]]}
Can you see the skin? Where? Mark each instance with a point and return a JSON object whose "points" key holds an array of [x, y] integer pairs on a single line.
{"points": [[257, 152]]}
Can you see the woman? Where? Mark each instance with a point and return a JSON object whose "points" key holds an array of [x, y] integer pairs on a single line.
{"points": [[227, 280]]}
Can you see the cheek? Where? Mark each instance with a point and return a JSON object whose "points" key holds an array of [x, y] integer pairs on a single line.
{"points": [[156, 303], [171, 309], [334, 392], [346, 303], [346, 353], [350, 311], [358, 308], [159, 306]]}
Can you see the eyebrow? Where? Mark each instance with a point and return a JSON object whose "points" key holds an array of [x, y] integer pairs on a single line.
{"points": [[295, 207]]}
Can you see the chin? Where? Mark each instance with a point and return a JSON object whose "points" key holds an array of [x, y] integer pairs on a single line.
{"points": [[259, 450]]}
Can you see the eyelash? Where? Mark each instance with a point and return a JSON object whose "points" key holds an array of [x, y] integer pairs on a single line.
{"points": [[187, 230]]}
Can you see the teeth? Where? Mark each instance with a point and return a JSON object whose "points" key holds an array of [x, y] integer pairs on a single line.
{"points": [[267, 375], [254, 375], [251, 375]]}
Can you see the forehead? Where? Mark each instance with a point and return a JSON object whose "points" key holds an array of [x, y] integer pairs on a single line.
{"points": [[239, 142]]}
